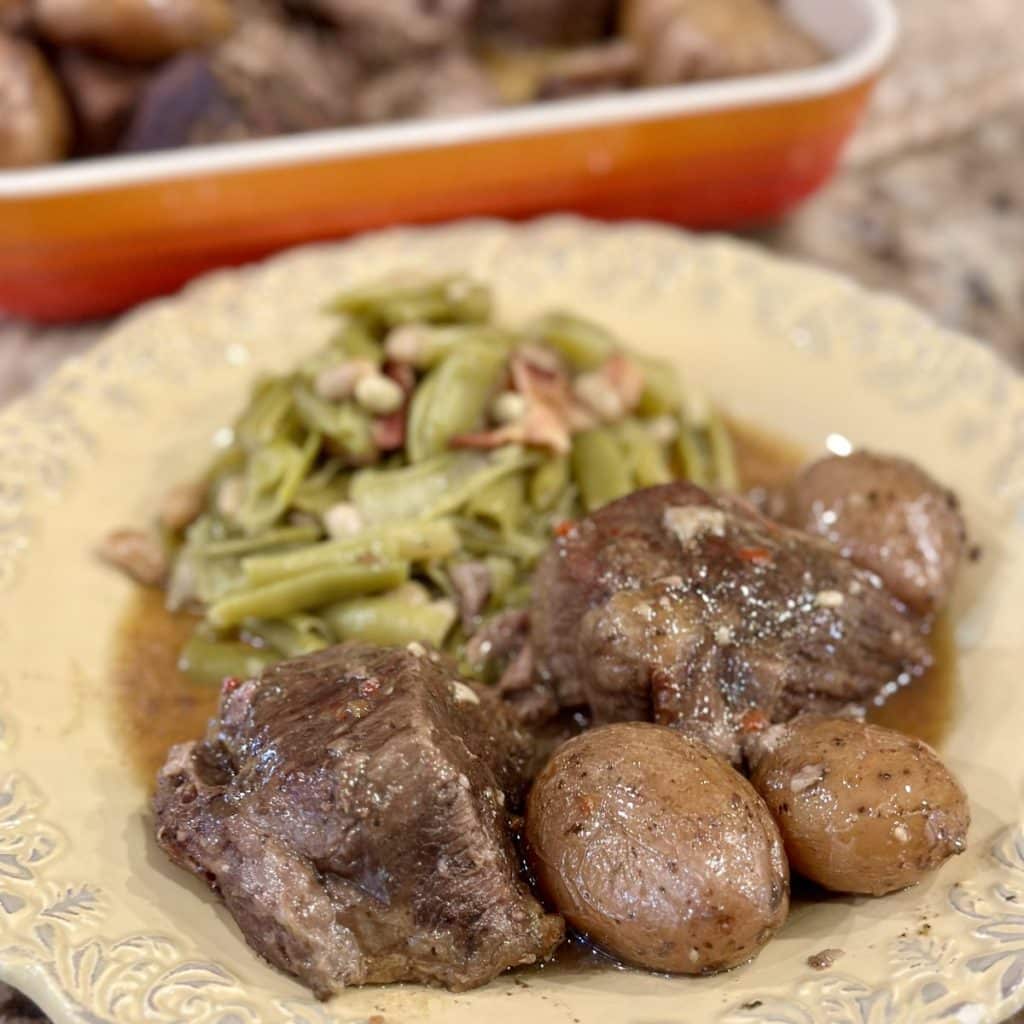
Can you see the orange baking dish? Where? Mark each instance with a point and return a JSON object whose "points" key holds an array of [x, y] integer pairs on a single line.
{"points": [[92, 237]]}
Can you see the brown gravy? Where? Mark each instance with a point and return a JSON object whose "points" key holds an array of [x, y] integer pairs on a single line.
{"points": [[161, 706]]}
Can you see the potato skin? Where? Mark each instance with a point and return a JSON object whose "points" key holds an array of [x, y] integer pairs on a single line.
{"points": [[35, 124], [862, 809], [133, 30], [657, 850]]}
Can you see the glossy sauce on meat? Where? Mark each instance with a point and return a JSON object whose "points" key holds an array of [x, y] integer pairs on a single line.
{"points": [[160, 706]]}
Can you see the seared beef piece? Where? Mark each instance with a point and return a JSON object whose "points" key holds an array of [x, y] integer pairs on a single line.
{"points": [[389, 31], [445, 85], [674, 606], [686, 40], [602, 68], [888, 515], [269, 77], [102, 93], [545, 22], [350, 807]]}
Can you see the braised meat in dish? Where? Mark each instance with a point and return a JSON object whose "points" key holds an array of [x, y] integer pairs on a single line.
{"points": [[886, 514], [657, 850], [351, 809], [224, 70], [673, 606]]}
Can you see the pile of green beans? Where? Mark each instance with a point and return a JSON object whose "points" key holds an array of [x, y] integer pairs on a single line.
{"points": [[355, 485]]}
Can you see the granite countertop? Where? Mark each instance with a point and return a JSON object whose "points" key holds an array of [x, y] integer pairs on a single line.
{"points": [[930, 205]]}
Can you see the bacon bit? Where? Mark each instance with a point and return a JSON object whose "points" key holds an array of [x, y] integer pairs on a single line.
{"points": [[551, 412], [229, 685], [625, 378], [759, 556], [403, 375], [753, 720], [388, 432], [563, 527]]}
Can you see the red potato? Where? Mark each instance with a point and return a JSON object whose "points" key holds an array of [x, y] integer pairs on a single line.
{"points": [[35, 127], [862, 809], [134, 30], [656, 850]]}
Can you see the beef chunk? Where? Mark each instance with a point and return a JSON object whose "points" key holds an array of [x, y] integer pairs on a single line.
{"points": [[888, 515], [546, 22], [103, 94], [397, 29], [350, 807], [444, 85], [687, 40], [270, 77], [674, 606]]}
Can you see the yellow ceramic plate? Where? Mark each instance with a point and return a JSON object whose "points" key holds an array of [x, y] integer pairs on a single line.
{"points": [[97, 926]]}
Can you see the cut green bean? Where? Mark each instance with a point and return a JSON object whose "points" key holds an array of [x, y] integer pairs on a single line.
{"points": [[391, 621], [424, 346], [548, 481], [647, 457], [502, 503], [212, 661], [583, 344], [480, 539], [431, 540], [723, 457], [661, 394], [600, 467], [452, 399], [694, 457], [450, 300], [293, 636], [281, 537], [308, 590], [345, 423], [266, 418], [271, 481], [503, 572]]}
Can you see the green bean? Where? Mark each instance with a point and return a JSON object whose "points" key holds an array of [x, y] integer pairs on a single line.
{"points": [[503, 572], [391, 621], [432, 488], [271, 481], [478, 539], [354, 341], [502, 502], [281, 537], [453, 299], [583, 344], [308, 590], [413, 542], [212, 661], [293, 637], [723, 458], [266, 418], [452, 399], [599, 467], [345, 423], [646, 456], [691, 448], [424, 346], [662, 393], [548, 481]]}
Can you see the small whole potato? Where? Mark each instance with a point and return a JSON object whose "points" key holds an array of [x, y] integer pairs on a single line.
{"points": [[35, 125], [134, 30], [862, 809], [656, 850]]}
